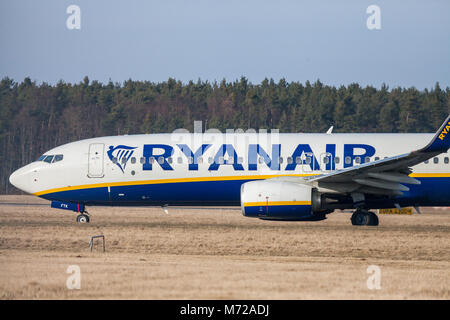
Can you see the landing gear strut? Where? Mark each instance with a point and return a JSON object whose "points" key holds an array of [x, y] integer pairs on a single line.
{"points": [[83, 218], [363, 217]]}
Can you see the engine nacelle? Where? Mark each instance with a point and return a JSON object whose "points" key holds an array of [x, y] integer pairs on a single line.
{"points": [[278, 200]]}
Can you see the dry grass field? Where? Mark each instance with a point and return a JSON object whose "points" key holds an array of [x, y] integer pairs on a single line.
{"points": [[216, 253]]}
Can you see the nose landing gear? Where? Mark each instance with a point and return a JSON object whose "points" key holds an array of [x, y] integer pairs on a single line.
{"points": [[83, 218], [363, 217]]}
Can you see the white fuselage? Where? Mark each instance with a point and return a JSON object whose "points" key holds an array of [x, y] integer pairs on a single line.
{"points": [[155, 169]]}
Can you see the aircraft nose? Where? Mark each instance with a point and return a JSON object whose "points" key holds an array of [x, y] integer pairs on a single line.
{"points": [[13, 178], [20, 179]]}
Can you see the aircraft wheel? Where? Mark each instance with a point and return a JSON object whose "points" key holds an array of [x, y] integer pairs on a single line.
{"points": [[360, 218], [82, 218], [373, 219]]}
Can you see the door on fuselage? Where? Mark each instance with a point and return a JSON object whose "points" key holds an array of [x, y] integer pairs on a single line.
{"points": [[95, 160]]}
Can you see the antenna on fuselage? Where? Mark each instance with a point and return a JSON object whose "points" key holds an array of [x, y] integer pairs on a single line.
{"points": [[330, 131]]}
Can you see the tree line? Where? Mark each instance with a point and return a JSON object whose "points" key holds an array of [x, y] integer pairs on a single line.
{"points": [[37, 117]]}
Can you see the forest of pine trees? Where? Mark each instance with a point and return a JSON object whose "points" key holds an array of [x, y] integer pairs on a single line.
{"points": [[37, 117]]}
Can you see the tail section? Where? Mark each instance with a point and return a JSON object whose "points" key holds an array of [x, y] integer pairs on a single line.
{"points": [[441, 140]]}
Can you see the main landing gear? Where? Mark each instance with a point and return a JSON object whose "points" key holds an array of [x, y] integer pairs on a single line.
{"points": [[83, 218], [363, 217]]}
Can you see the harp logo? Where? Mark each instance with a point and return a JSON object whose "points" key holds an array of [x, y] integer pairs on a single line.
{"points": [[120, 155], [445, 131]]}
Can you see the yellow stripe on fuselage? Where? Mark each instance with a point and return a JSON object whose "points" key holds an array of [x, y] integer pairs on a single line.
{"points": [[161, 181], [430, 175], [277, 203], [202, 179]]}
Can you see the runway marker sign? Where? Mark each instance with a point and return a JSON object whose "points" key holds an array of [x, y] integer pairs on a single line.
{"points": [[406, 210]]}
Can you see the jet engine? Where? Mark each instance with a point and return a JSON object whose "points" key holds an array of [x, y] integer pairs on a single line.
{"points": [[281, 200]]}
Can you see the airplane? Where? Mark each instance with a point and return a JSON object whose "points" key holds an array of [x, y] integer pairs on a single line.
{"points": [[271, 176]]}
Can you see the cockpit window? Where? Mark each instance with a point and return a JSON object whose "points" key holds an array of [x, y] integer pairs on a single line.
{"points": [[50, 158]]}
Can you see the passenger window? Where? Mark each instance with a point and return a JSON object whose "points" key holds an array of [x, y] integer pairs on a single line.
{"points": [[377, 158], [289, 160], [325, 160], [200, 160], [169, 160], [180, 160], [281, 160], [260, 160], [367, 159], [426, 162], [298, 160], [446, 160], [436, 160], [190, 160], [308, 160], [133, 160], [48, 159], [142, 160], [240, 160], [358, 159], [161, 160], [114, 160], [210, 160], [337, 160], [348, 160], [58, 157]]}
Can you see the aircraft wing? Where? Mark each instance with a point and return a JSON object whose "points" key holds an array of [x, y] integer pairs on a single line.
{"points": [[389, 176]]}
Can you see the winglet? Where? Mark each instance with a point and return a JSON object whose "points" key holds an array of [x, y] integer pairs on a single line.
{"points": [[441, 140]]}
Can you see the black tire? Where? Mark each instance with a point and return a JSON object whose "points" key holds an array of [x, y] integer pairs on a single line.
{"points": [[373, 219], [360, 218], [82, 218]]}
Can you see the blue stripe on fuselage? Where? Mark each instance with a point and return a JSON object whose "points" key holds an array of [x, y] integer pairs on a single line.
{"points": [[431, 192]]}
